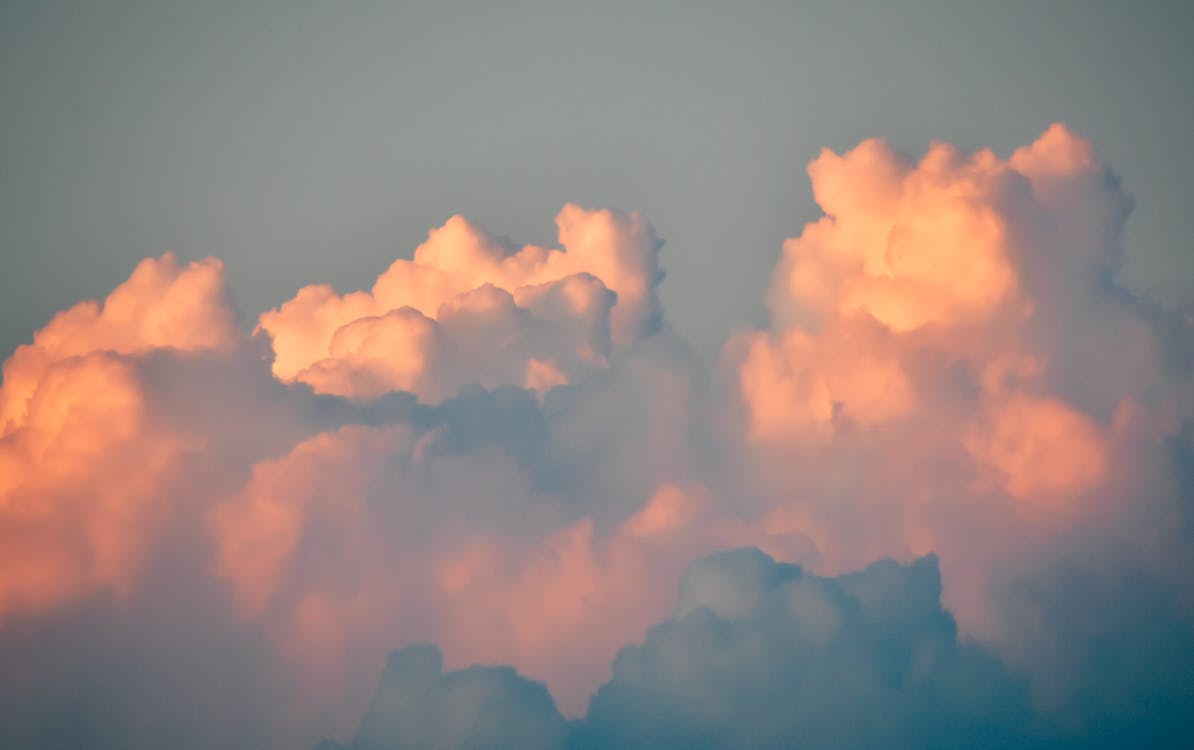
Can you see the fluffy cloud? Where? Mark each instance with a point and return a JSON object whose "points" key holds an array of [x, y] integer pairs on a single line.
{"points": [[418, 706], [951, 367], [81, 458], [762, 655], [1000, 271], [468, 308], [150, 421], [508, 453], [498, 563], [162, 305], [757, 655]]}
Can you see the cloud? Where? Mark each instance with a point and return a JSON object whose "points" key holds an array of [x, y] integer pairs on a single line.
{"points": [[81, 459], [498, 562], [951, 366], [419, 706], [469, 308], [758, 655], [507, 452], [161, 305], [763, 655], [169, 664]]}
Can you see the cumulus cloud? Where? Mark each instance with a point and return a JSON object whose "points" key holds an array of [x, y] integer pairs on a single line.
{"points": [[162, 305], [758, 655], [419, 706], [951, 366], [507, 452], [81, 458], [762, 655], [498, 565], [469, 308], [151, 416]]}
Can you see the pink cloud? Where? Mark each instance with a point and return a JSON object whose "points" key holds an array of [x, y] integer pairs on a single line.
{"points": [[950, 369], [947, 370], [81, 462], [469, 309]]}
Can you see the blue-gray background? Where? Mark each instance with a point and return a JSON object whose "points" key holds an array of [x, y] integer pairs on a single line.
{"points": [[316, 141]]}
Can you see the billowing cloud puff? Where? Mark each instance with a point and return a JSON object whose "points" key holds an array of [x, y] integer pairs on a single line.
{"points": [[962, 261], [951, 367], [470, 309], [504, 452], [133, 421], [418, 706], [1002, 270], [762, 655], [162, 305], [81, 459], [757, 655], [493, 568]]}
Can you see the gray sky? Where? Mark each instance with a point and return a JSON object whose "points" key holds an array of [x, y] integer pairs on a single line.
{"points": [[317, 141]]}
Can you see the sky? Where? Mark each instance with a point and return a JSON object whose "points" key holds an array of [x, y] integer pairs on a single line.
{"points": [[560, 375], [318, 141]]}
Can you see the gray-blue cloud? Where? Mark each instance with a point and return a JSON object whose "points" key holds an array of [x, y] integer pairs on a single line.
{"points": [[760, 654], [764, 655], [419, 706]]}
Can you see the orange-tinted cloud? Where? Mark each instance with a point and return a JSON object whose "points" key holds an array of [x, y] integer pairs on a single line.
{"points": [[365, 532], [1041, 449], [949, 369], [80, 459], [909, 245], [470, 309], [945, 362], [162, 305]]}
